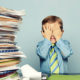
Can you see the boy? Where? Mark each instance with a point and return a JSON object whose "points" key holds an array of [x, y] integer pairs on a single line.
{"points": [[53, 50]]}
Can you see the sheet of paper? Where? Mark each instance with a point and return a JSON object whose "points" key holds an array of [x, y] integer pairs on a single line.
{"points": [[28, 71]]}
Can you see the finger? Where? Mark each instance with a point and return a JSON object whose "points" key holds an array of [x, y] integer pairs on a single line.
{"points": [[44, 28], [49, 27], [57, 25]]}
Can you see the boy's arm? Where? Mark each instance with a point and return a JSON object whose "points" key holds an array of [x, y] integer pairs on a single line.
{"points": [[65, 47], [43, 48]]}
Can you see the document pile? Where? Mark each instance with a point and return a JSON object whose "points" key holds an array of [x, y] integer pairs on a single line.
{"points": [[10, 55]]}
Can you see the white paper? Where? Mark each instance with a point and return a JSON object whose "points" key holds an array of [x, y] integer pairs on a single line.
{"points": [[11, 11], [9, 68], [28, 71], [26, 78]]}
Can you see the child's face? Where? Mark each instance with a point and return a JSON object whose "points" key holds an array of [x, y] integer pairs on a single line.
{"points": [[53, 28]]}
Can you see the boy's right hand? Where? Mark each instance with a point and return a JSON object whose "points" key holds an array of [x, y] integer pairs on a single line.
{"points": [[47, 32]]}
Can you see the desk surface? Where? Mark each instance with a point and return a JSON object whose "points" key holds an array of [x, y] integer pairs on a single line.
{"points": [[64, 77]]}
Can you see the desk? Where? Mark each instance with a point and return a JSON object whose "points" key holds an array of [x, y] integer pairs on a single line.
{"points": [[64, 77]]}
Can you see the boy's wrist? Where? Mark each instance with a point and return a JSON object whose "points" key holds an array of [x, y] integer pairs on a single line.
{"points": [[47, 41], [47, 38], [59, 41]]}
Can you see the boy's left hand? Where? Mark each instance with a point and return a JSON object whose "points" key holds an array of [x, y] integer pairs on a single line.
{"points": [[57, 31]]}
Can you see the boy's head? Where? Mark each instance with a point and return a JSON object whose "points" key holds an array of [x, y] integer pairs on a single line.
{"points": [[52, 20]]}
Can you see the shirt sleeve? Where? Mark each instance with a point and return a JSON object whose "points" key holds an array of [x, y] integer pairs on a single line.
{"points": [[43, 48], [64, 47]]}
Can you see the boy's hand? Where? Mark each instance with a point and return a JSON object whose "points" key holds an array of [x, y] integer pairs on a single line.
{"points": [[57, 31], [47, 32]]}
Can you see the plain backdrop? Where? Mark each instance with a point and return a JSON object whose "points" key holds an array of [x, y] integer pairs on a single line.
{"points": [[29, 34]]}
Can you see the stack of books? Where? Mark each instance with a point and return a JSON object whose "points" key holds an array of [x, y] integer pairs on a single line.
{"points": [[10, 55]]}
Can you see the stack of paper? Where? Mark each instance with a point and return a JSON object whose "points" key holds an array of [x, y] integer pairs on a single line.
{"points": [[10, 55]]}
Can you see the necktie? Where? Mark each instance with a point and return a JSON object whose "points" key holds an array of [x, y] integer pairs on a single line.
{"points": [[54, 67]]}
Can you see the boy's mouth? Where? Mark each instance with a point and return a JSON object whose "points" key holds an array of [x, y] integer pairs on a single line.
{"points": [[52, 38]]}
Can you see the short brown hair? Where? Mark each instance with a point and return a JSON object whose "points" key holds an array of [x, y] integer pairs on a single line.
{"points": [[53, 19]]}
